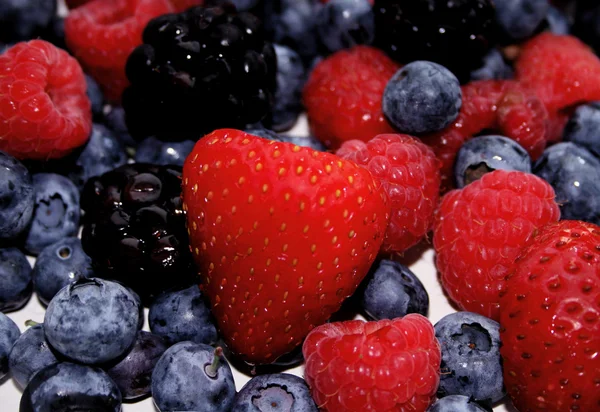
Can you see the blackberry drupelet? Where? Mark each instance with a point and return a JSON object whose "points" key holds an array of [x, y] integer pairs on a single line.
{"points": [[134, 228], [197, 71], [456, 34]]}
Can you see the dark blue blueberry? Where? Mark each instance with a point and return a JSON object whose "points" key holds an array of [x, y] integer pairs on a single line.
{"points": [[574, 173], [274, 393], [342, 24], [92, 321], [114, 119], [25, 19], [519, 19], [56, 213], [15, 279], [485, 154], [288, 95], [557, 21], [67, 387], [182, 315], [59, 265], [456, 403], [16, 197], [29, 355], [157, 152], [264, 133], [422, 97], [471, 363], [393, 291], [308, 141], [55, 32], [193, 377], [95, 95], [240, 5], [587, 22], [133, 374], [9, 333], [583, 127], [494, 68]]}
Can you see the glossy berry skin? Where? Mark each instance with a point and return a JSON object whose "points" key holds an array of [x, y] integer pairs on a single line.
{"points": [[471, 363], [485, 154], [291, 77], [557, 21], [343, 96], [274, 392], [16, 192], [95, 95], [92, 321], [45, 110], [285, 209], [519, 19], [157, 152], [583, 127], [9, 333], [550, 322], [456, 403], [25, 19], [15, 280], [68, 386], [29, 355], [342, 24], [114, 119], [481, 229], [59, 265], [182, 315], [304, 141], [372, 366], [184, 380], [574, 173], [408, 172], [494, 67], [393, 291]]}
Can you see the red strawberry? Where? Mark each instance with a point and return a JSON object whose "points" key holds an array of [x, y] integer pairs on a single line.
{"points": [[551, 321], [282, 235], [389, 365]]}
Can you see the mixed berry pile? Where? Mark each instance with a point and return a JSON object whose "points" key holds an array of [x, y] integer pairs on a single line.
{"points": [[145, 162]]}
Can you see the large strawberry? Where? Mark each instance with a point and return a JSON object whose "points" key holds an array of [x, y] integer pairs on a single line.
{"points": [[282, 234]]}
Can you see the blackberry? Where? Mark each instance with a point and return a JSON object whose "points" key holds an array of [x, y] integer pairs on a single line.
{"points": [[134, 228], [197, 71], [456, 34]]}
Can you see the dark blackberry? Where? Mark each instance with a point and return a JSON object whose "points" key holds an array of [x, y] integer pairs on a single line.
{"points": [[134, 228], [456, 34], [197, 71]]}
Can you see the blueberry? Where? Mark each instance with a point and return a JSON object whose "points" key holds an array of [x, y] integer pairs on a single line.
{"points": [[485, 154], [59, 265], [274, 393], [181, 315], [9, 333], [519, 19], [422, 97], [55, 32], [558, 22], [193, 377], [240, 5], [16, 197], [288, 95], [264, 133], [342, 24], [583, 127], [456, 403], [308, 141], [56, 213], [114, 119], [587, 22], [133, 374], [494, 68], [29, 355], [574, 173], [157, 152], [25, 19], [92, 321], [95, 95], [15, 280], [64, 387], [471, 363]]}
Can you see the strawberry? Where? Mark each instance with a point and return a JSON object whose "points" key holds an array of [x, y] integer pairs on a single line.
{"points": [[281, 234]]}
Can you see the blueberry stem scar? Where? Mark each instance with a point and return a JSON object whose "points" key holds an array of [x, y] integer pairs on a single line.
{"points": [[30, 323], [211, 370]]}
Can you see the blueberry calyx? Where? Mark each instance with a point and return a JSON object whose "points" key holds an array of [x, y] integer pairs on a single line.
{"points": [[212, 369]]}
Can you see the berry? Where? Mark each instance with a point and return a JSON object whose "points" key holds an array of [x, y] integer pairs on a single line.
{"points": [[241, 5], [519, 19], [55, 32], [557, 21], [29, 355], [268, 134], [68, 386], [157, 152], [586, 25], [25, 19], [114, 119], [494, 67], [59, 265], [182, 315], [92, 321], [342, 24], [471, 363], [480, 230], [488, 153], [16, 194], [373, 366], [422, 97], [221, 68], [393, 291], [193, 377], [304, 141], [15, 280], [583, 127], [71, 4], [574, 174], [307, 224], [95, 95], [9, 333], [291, 77], [550, 322], [408, 172], [45, 112], [456, 403], [343, 96], [274, 392], [134, 228]]}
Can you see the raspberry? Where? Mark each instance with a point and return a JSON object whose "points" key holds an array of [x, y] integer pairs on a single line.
{"points": [[389, 365], [44, 110], [409, 172], [481, 229], [343, 96]]}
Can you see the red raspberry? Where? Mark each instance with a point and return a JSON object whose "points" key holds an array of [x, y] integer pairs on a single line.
{"points": [[44, 108], [389, 365], [551, 321], [479, 231], [409, 173], [343, 96]]}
